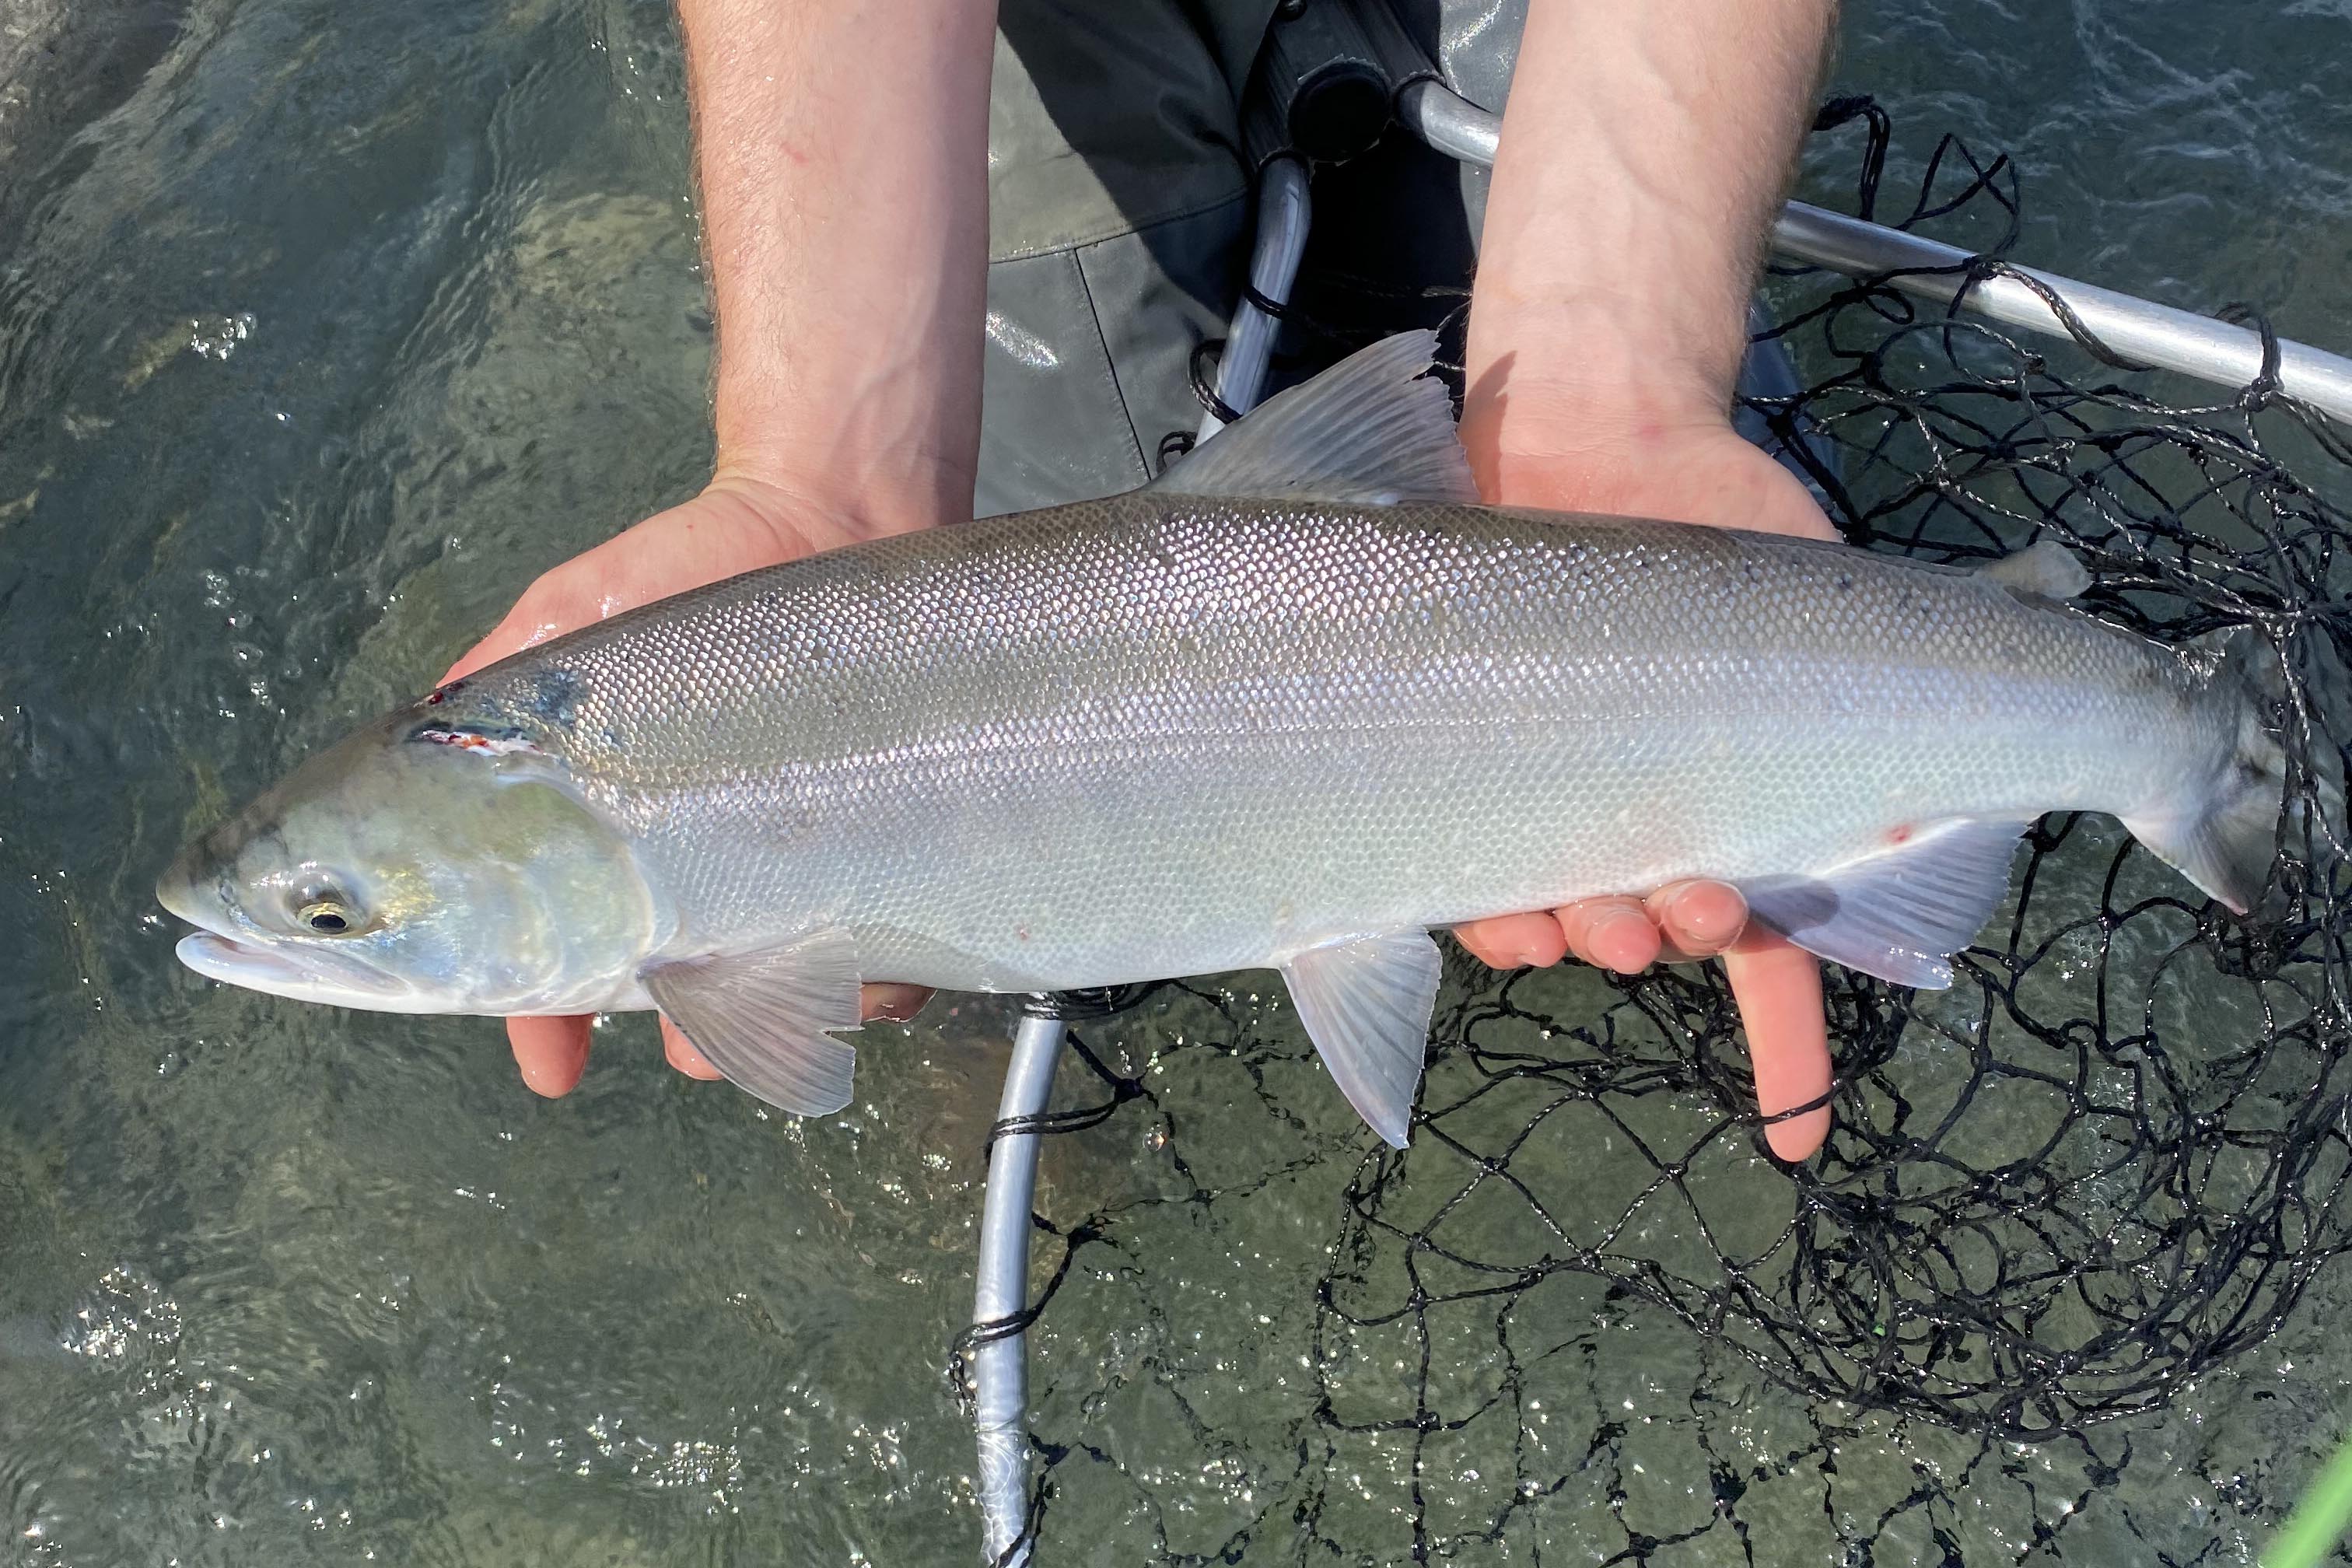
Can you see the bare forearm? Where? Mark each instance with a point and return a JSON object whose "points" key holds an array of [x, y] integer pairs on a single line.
{"points": [[1644, 149], [842, 153]]}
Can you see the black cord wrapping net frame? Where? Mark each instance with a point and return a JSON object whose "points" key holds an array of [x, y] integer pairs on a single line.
{"points": [[2111, 1158]]}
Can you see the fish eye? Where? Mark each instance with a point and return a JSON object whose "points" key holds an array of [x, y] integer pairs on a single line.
{"points": [[327, 918], [327, 910]]}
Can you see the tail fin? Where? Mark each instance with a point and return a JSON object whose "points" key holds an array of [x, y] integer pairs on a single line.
{"points": [[2227, 836]]}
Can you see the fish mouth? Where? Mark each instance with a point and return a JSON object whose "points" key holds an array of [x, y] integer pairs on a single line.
{"points": [[311, 974]]}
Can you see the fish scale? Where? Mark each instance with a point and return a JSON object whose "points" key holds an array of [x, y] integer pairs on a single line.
{"points": [[1294, 705]]}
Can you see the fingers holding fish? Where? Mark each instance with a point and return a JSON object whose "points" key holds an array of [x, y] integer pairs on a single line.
{"points": [[572, 595], [1612, 934], [1777, 984], [1690, 922], [1682, 923], [680, 1053], [1515, 941], [1778, 988], [892, 1004], [1696, 920], [552, 1052]]}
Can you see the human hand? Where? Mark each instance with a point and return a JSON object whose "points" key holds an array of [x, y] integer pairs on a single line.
{"points": [[734, 526], [1687, 466]]}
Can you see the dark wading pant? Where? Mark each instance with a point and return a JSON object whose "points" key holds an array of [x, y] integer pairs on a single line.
{"points": [[1121, 223]]}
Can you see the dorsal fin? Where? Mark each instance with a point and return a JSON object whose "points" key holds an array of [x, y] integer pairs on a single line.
{"points": [[1373, 428]]}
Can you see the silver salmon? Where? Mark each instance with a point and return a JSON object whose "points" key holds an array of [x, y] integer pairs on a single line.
{"points": [[1291, 706]]}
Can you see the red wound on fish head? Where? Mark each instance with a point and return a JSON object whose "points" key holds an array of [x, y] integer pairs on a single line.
{"points": [[475, 741]]}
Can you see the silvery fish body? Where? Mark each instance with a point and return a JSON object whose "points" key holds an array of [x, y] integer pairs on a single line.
{"points": [[1262, 713], [1152, 736]]}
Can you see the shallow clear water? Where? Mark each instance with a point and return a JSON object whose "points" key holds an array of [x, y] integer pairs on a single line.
{"points": [[322, 328]]}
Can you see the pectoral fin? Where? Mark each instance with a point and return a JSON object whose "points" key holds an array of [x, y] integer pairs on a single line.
{"points": [[1366, 1004], [1902, 913], [761, 1017]]}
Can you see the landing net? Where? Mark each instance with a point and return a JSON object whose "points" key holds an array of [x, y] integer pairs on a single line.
{"points": [[2107, 1161]]}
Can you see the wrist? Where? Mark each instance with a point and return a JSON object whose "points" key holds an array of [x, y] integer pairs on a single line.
{"points": [[1602, 339], [871, 443], [786, 517], [1569, 387], [858, 464], [1605, 426]]}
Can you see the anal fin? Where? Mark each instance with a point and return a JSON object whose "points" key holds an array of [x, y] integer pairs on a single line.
{"points": [[761, 1017], [1367, 1004], [1902, 913]]}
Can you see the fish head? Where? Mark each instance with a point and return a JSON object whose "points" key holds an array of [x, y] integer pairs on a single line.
{"points": [[418, 868]]}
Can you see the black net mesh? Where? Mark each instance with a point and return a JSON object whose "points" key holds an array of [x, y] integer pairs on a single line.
{"points": [[2108, 1161]]}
